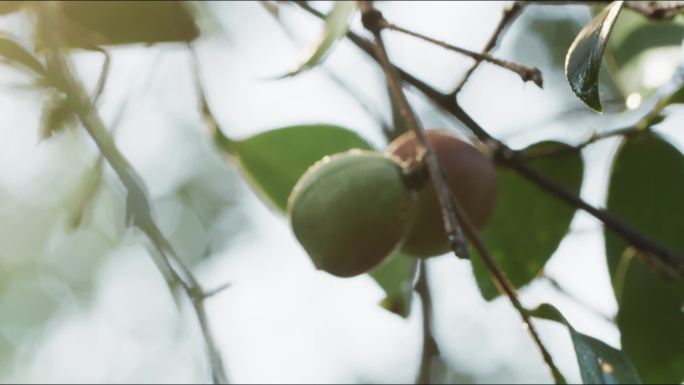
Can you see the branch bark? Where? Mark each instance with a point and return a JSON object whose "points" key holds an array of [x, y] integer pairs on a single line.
{"points": [[526, 73], [509, 15], [371, 18], [373, 21], [176, 273], [512, 159], [430, 349]]}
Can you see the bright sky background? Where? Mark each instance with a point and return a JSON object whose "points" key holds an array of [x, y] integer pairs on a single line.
{"points": [[280, 321]]}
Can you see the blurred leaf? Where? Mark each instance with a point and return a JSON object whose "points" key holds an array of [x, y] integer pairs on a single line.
{"points": [[583, 60], [554, 34], [677, 97], [599, 363], [528, 223], [395, 277], [14, 53], [638, 75], [336, 25], [634, 33], [89, 23], [7, 6], [57, 115], [274, 160], [646, 190]]}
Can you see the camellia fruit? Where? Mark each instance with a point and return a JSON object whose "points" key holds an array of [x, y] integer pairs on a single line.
{"points": [[351, 211], [471, 178]]}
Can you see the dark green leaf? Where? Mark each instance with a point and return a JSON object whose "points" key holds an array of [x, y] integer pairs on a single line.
{"points": [[528, 224], [677, 97], [599, 363], [274, 160], [90, 23], [395, 277], [14, 53], [583, 60], [336, 25], [646, 190], [634, 33]]}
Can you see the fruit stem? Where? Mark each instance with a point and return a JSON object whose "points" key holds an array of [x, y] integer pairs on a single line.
{"points": [[374, 21], [454, 214], [416, 174]]}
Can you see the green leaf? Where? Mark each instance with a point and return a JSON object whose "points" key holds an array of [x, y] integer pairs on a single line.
{"points": [[336, 26], [634, 33], [528, 223], [646, 190], [677, 97], [88, 23], [583, 60], [274, 160], [395, 277], [10, 6], [599, 363], [14, 53]]}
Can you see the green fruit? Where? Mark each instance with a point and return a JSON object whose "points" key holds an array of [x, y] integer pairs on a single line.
{"points": [[351, 211], [471, 177]]}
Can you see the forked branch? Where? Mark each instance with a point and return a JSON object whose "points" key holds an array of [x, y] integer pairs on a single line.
{"points": [[372, 20]]}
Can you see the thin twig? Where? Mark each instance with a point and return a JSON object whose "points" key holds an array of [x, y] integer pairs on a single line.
{"points": [[526, 73], [595, 137], [430, 349], [104, 73], [654, 10], [170, 264], [370, 16], [371, 19], [591, 308], [371, 110], [512, 159], [509, 15], [219, 289], [505, 287]]}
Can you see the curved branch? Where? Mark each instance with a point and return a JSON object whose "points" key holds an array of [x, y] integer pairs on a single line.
{"points": [[371, 18], [526, 73], [509, 15], [513, 160], [139, 208], [373, 21], [430, 349]]}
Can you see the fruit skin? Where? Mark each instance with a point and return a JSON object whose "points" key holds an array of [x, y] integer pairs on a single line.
{"points": [[471, 178], [351, 211]]}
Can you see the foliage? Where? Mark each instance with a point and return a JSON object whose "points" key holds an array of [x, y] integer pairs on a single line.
{"points": [[535, 207]]}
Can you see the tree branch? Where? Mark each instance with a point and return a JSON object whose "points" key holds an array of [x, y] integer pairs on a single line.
{"points": [[509, 15], [595, 137], [505, 287], [370, 18], [139, 208], [591, 308], [526, 73], [515, 161], [430, 349], [372, 21], [654, 10]]}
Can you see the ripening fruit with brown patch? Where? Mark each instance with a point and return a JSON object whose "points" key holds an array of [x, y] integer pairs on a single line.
{"points": [[471, 177], [351, 211]]}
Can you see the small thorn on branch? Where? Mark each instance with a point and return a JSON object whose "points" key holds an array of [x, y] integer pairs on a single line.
{"points": [[212, 292]]}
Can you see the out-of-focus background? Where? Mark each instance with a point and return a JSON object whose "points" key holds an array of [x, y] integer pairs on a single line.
{"points": [[87, 304]]}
